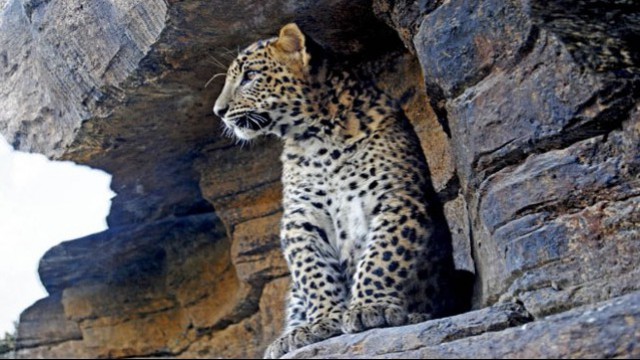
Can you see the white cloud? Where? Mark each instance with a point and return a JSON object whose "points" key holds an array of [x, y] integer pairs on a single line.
{"points": [[42, 203]]}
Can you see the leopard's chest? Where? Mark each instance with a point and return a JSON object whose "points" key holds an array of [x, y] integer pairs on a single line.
{"points": [[351, 223], [335, 184]]}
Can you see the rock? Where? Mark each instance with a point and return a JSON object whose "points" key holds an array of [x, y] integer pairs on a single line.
{"points": [[256, 251], [250, 337], [519, 123], [604, 330], [405, 338], [54, 72], [459, 43], [148, 290], [600, 40], [573, 213], [127, 254], [540, 138], [457, 217], [541, 102], [46, 324]]}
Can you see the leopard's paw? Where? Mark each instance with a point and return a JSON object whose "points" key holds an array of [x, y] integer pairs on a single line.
{"points": [[416, 318], [302, 336], [361, 317]]}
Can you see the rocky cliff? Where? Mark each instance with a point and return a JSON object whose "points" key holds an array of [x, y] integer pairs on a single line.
{"points": [[528, 112]]}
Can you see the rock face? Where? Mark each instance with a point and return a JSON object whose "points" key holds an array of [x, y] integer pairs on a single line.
{"points": [[498, 332], [528, 113], [54, 72], [545, 142]]}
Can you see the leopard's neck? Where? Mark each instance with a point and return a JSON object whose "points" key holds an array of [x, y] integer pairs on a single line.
{"points": [[344, 110]]}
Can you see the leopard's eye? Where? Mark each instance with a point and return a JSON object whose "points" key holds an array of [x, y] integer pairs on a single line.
{"points": [[248, 76]]}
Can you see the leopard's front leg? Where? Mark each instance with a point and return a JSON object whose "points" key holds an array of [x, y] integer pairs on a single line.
{"points": [[388, 271], [318, 294]]}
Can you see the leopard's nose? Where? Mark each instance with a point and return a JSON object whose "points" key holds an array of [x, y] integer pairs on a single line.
{"points": [[220, 111]]}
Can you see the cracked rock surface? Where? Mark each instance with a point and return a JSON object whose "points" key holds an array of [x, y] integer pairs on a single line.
{"points": [[498, 332]]}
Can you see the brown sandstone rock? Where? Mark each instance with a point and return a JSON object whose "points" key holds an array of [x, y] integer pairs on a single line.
{"points": [[46, 324]]}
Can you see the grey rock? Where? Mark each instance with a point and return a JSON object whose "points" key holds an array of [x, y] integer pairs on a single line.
{"points": [[541, 134], [460, 42], [126, 255], [500, 121], [398, 340], [603, 330], [59, 59], [600, 34], [457, 217], [572, 212]]}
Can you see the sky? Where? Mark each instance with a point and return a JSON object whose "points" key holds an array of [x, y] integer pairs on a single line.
{"points": [[42, 203]]}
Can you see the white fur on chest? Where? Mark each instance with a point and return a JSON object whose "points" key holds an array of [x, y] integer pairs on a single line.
{"points": [[353, 221], [346, 219]]}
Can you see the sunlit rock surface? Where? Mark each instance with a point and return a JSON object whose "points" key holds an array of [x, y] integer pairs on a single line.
{"points": [[603, 330]]}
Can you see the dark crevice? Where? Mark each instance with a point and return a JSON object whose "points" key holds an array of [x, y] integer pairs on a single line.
{"points": [[488, 154], [404, 16], [455, 287], [573, 204], [438, 103], [243, 191], [152, 355], [200, 207], [451, 189], [476, 291], [259, 250], [43, 344], [527, 46]]}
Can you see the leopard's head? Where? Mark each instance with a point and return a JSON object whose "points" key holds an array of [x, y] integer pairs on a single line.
{"points": [[266, 86]]}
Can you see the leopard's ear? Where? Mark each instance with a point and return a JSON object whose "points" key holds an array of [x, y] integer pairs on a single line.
{"points": [[290, 48], [291, 39]]}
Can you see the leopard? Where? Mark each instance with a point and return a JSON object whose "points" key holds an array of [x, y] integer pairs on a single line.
{"points": [[356, 230]]}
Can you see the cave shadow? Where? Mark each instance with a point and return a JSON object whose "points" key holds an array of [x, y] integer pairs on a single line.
{"points": [[454, 290]]}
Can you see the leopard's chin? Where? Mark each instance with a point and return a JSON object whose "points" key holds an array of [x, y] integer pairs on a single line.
{"points": [[244, 134], [249, 125]]}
